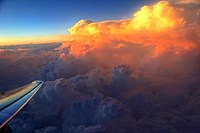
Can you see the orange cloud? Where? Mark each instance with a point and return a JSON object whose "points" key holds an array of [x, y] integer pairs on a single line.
{"points": [[158, 17], [162, 25]]}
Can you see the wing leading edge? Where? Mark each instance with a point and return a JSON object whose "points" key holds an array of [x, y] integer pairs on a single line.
{"points": [[12, 103]]}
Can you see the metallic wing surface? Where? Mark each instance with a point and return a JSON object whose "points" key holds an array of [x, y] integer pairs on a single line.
{"points": [[13, 101]]}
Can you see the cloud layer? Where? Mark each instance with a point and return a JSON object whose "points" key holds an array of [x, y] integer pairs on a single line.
{"points": [[139, 75]]}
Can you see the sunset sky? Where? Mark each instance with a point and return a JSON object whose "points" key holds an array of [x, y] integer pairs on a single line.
{"points": [[28, 20], [47, 21]]}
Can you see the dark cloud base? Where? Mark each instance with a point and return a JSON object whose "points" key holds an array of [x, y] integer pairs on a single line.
{"points": [[22, 64], [81, 96]]}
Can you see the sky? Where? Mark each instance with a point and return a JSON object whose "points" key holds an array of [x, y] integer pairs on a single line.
{"points": [[25, 18]]}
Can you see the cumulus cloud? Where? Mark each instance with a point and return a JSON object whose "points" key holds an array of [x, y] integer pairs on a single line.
{"points": [[83, 103], [162, 25], [88, 103], [74, 105]]}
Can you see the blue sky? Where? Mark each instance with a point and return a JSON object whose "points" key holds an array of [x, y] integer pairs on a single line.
{"points": [[53, 17]]}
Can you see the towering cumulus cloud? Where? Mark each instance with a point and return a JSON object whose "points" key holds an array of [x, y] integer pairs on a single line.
{"points": [[136, 75], [162, 25]]}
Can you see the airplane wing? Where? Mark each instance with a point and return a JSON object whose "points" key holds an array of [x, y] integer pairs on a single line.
{"points": [[13, 101]]}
